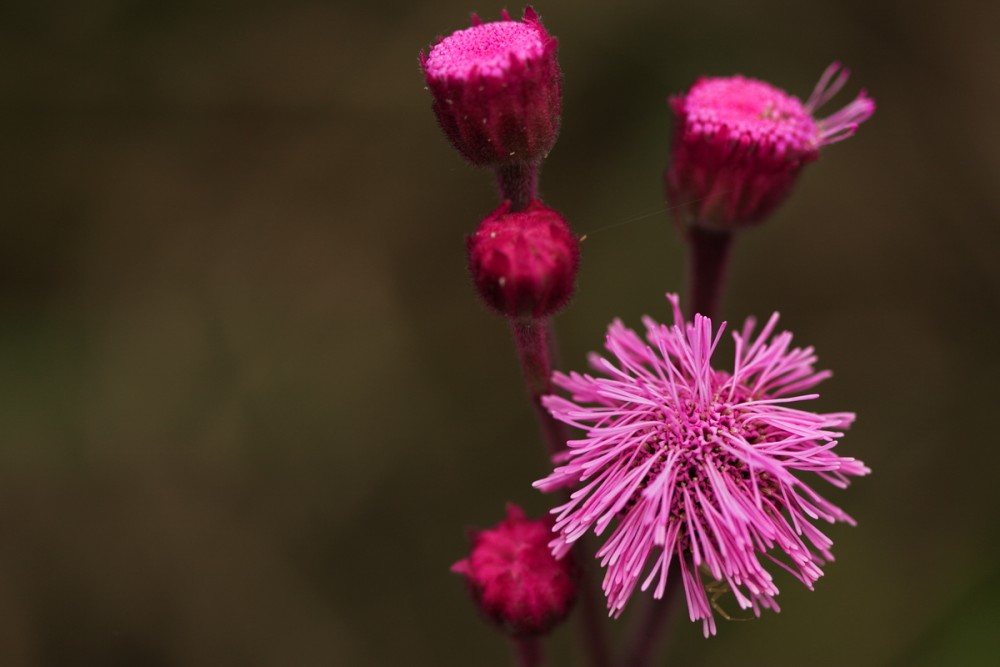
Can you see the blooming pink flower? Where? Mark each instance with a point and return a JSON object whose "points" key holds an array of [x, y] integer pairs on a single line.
{"points": [[698, 466], [514, 578], [739, 145], [524, 263], [497, 89]]}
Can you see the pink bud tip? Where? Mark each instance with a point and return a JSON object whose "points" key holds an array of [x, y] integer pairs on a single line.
{"points": [[497, 89], [515, 580], [524, 263]]}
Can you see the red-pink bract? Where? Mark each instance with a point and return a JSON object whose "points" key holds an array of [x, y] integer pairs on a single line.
{"points": [[698, 466], [739, 145], [514, 578]]}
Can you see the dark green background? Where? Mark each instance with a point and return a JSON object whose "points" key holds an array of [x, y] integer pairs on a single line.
{"points": [[248, 401]]}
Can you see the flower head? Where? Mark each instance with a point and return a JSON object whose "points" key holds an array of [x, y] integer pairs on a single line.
{"points": [[698, 466], [514, 578], [524, 263], [739, 145], [497, 89]]}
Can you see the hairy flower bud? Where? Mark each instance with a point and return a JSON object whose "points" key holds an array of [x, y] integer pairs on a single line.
{"points": [[739, 145], [514, 578], [524, 263], [497, 89]]}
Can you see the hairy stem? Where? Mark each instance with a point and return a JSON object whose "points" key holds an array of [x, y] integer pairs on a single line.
{"points": [[518, 182]]}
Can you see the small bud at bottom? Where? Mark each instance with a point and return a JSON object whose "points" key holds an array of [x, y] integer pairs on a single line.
{"points": [[514, 578]]}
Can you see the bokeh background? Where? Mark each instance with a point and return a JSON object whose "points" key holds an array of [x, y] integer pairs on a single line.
{"points": [[249, 403]]}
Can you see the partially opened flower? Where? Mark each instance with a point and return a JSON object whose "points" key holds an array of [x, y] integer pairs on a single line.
{"points": [[697, 466], [739, 145], [514, 578], [497, 89]]}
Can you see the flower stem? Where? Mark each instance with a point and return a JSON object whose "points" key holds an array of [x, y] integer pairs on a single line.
{"points": [[535, 345], [529, 651], [532, 338], [708, 261], [592, 622], [654, 625], [518, 182]]}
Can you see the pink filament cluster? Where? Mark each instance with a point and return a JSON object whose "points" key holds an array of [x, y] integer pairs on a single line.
{"points": [[841, 124], [697, 467]]}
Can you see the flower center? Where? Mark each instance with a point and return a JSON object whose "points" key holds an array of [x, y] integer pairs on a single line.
{"points": [[689, 438]]}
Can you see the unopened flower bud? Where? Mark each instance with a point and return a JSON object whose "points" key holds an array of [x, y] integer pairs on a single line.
{"points": [[497, 89], [515, 580], [739, 145], [524, 263]]}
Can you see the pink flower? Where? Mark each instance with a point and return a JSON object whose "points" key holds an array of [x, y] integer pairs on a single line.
{"points": [[514, 578], [497, 89], [739, 145], [524, 263], [698, 466]]}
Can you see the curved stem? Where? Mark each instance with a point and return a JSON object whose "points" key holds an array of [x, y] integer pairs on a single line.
{"points": [[518, 182], [708, 261]]}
